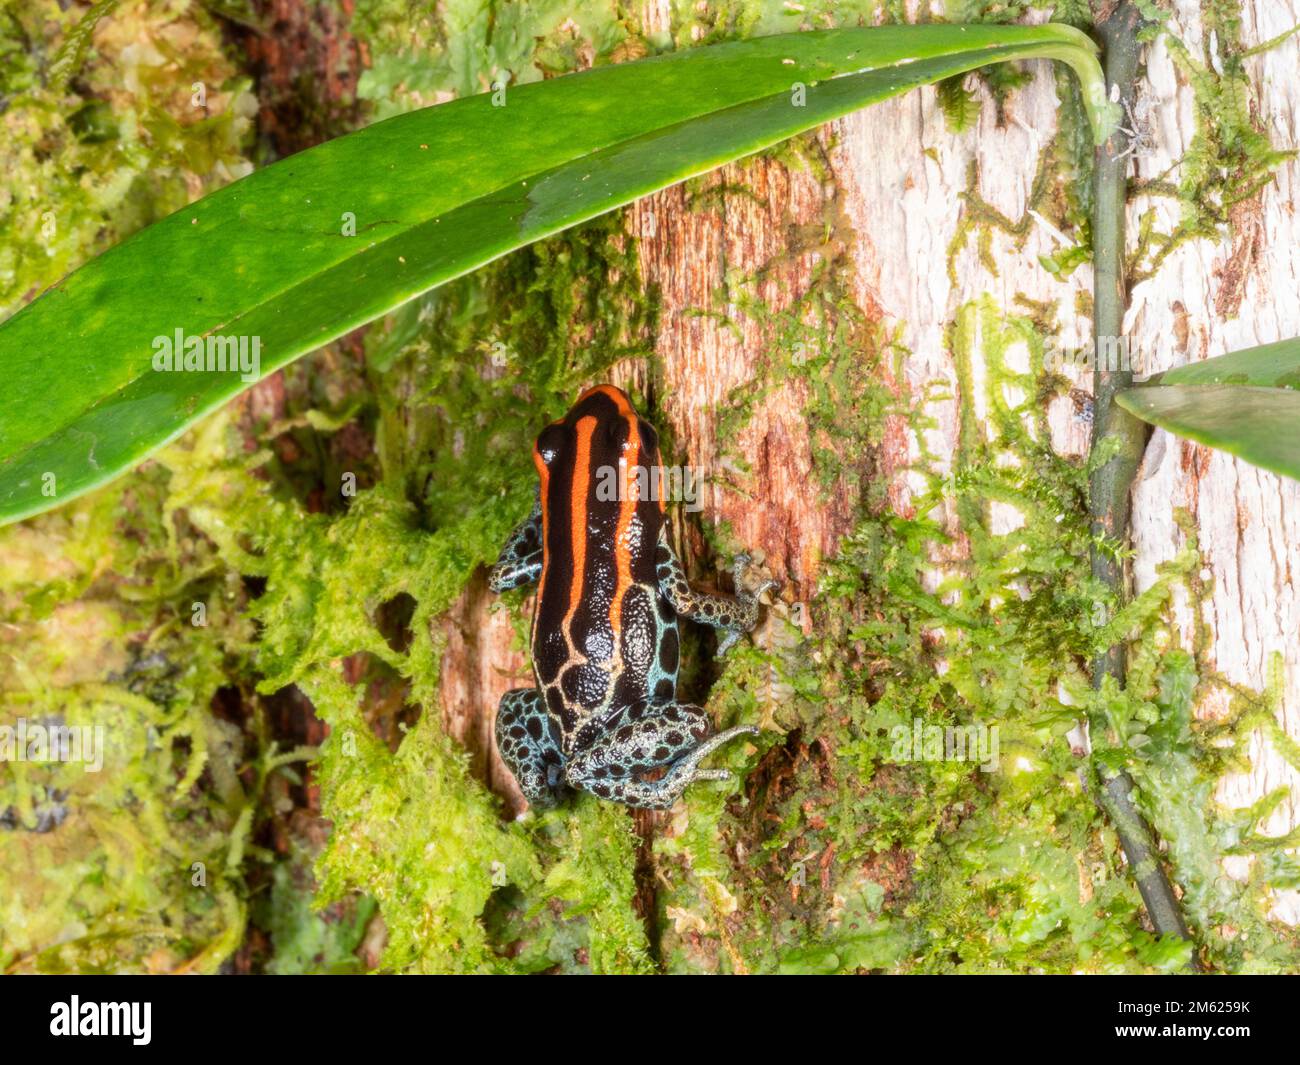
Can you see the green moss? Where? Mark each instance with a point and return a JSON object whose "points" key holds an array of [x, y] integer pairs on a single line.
{"points": [[130, 867], [1230, 159], [592, 851], [135, 865], [302, 939], [467, 48], [85, 167], [1055, 197], [415, 833]]}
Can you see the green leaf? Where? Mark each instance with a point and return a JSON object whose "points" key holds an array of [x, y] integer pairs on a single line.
{"points": [[434, 193], [1269, 366], [1260, 425], [1246, 403]]}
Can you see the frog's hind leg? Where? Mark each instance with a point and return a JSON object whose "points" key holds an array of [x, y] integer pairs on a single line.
{"points": [[529, 743], [733, 614], [644, 737], [520, 561]]}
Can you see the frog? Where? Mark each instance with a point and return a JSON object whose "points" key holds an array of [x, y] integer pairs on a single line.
{"points": [[604, 715]]}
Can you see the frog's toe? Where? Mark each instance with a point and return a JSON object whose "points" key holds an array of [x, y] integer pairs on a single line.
{"points": [[687, 770], [753, 596], [714, 742], [711, 774]]}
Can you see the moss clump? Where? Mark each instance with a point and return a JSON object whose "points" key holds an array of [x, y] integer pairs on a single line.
{"points": [[132, 860], [135, 866], [101, 140], [1230, 159]]}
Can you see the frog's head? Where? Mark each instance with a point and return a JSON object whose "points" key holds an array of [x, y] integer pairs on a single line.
{"points": [[601, 430]]}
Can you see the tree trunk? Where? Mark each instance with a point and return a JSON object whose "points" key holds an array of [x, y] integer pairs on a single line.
{"points": [[900, 187]]}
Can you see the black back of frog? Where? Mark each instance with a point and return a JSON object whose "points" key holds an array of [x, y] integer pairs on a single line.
{"points": [[596, 629]]}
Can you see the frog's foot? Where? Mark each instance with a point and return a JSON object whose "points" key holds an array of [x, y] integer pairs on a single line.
{"points": [[521, 559], [689, 765], [686, 771], [747, 600], [641, 739], [739, 569], [529, 744], [711, 774], [732, 614]]}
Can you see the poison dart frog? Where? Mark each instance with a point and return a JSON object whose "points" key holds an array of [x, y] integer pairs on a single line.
{"points": [[605, 646]]}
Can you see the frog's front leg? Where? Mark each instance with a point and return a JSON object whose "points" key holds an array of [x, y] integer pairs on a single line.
{"points": [[520, 561], [529, 743], [639, 739], [733, 614]]}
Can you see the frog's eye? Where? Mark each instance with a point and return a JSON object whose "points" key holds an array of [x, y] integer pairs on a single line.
{"points": [[550, 442]]}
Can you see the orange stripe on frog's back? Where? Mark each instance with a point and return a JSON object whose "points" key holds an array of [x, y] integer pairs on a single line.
{"points": [[627, 503], [628, 498], [585, 427]]}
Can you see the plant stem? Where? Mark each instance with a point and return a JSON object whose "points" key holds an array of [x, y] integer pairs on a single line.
{"points": [[1110, 483]]}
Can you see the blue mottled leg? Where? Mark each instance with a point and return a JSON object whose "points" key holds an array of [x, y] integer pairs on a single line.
{"points": [[733, 614], [521, 559], [529, 743], [642, 738]]}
